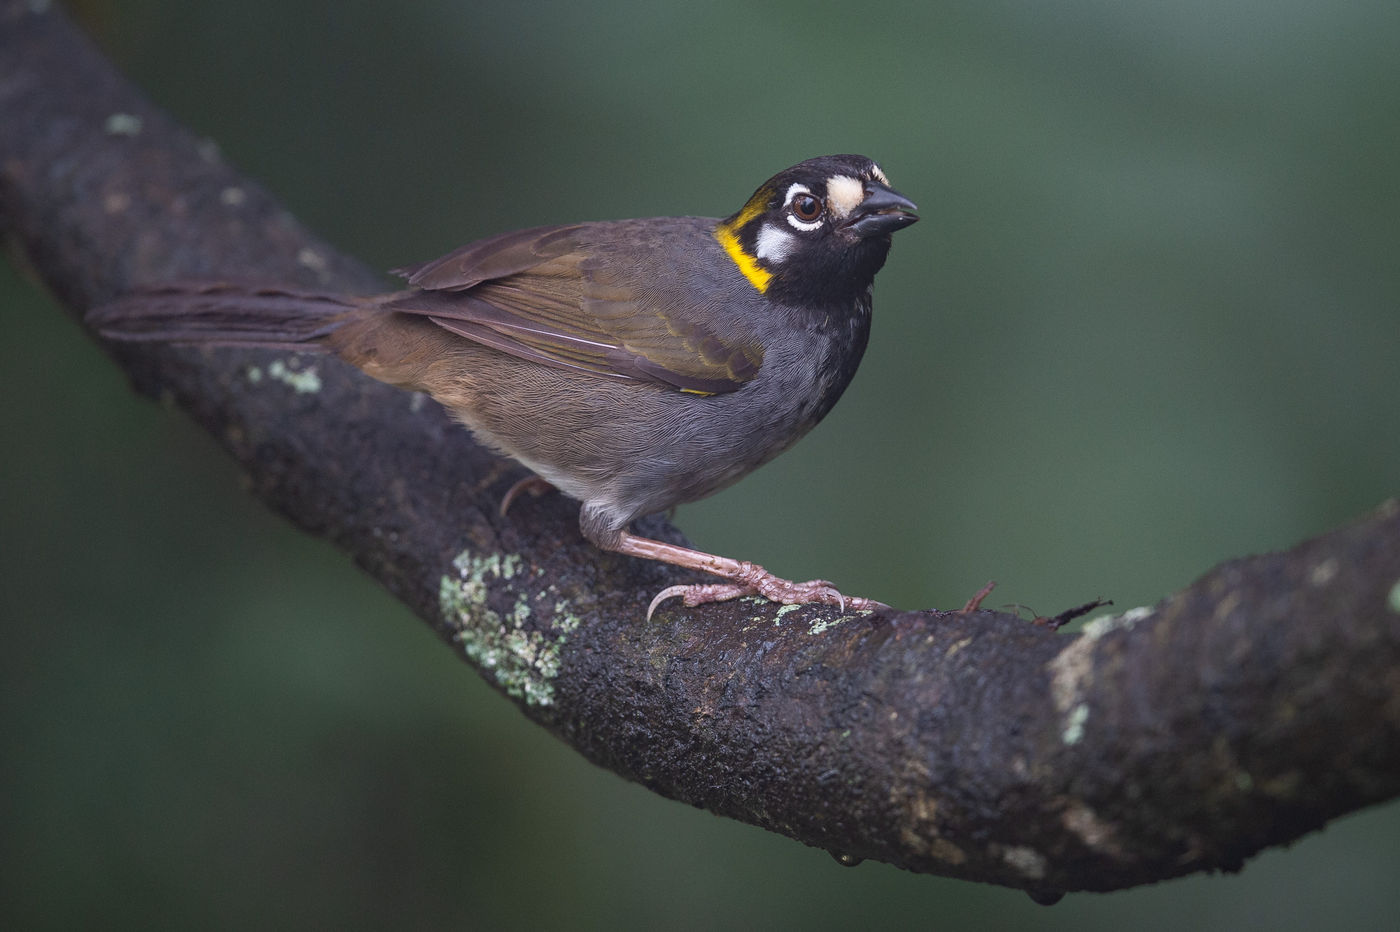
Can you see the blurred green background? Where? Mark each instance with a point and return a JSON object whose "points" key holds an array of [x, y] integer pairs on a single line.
{"points": [[1149, 322]]}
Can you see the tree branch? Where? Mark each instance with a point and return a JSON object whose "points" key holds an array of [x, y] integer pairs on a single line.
{"points": [[1242, 712]]}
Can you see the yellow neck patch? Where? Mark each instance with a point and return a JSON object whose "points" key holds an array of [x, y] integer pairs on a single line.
{"points": [[728, 236]]}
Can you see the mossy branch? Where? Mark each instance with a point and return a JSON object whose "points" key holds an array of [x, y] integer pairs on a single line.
{"points": [[1241, 712]]}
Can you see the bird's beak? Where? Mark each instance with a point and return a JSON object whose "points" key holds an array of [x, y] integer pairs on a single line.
{"points": [[883, 211]]}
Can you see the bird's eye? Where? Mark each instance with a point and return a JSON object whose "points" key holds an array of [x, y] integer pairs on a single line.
{"points": [[806, 207]]}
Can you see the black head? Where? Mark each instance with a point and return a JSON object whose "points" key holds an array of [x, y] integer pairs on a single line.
{"points": [[816, 234]]}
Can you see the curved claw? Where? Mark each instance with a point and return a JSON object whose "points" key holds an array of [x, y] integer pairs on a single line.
{"points": [[694, 595]]}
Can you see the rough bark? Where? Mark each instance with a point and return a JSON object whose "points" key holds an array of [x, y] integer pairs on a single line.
{"points": [[1241, 712]]}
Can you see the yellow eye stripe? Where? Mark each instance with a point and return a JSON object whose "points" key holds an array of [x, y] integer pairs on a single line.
{"points": [[728, 236]]}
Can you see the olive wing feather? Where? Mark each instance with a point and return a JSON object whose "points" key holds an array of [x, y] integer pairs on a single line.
{"points": [[596, 298]]}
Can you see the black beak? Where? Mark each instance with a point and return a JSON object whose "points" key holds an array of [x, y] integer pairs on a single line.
{"points": [[883, 211]]}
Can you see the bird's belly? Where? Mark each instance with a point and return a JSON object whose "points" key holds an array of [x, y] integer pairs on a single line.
{"points": [[630, 449]]}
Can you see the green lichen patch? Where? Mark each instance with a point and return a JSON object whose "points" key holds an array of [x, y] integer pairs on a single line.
{"points": [[563, 620], [302, 381], [1074, 724], [123, 124], [312, 259], [1393, 600], [523, 657], [826, 624], [1027, 861], [783, 610], [1096, 628]]}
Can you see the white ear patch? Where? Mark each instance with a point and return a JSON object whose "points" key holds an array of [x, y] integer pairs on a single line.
{"points": [[773, 244], [843, 195]]}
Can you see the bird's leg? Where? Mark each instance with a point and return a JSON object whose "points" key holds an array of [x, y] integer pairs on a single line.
{"points": [[745, 578]]}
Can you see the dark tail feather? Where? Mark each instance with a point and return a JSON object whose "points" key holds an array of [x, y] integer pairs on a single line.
{"points": [[223, 314]]}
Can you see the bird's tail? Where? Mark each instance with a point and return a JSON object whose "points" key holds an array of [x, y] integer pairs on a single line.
{"points": [[225, 314]]}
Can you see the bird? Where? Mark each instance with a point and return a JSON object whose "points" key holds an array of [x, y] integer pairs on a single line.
{"points": [[634, 365]]}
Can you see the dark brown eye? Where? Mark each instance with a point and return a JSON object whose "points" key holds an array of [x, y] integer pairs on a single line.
{"points": [[806, 207]]}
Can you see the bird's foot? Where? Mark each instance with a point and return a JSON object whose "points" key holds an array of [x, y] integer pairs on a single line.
{"points": [[753, 579], [743, 578]]}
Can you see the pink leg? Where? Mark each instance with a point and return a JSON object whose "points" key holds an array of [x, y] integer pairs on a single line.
{"points": [[745, 578]]}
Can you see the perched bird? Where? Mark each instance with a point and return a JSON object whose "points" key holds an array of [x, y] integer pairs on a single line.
{"points": [[634, 364]]}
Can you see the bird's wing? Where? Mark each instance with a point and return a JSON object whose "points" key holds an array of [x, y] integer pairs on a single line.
{"points": [[605, 298]]}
